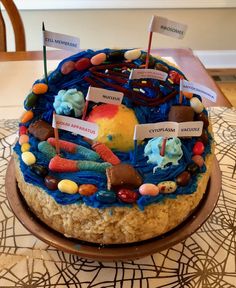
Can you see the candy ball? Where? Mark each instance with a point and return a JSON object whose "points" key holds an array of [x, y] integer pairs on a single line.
{"points": [[198, 148], [25, 147], [28, 158], [23, 139]]}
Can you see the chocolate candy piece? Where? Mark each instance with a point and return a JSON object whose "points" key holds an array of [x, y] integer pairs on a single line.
{"points": [[127, 196], [41, 130], [181, 114], [39, 170], [122, 176], [183, 178], [193, 168], [105, 196], [161, 67], [51, 182], [202, 117]]}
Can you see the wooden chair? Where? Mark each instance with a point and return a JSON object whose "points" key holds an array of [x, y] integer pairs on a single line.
{"points": [[17, 24]]}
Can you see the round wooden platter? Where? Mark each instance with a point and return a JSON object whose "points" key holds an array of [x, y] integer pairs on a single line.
{"points": [[116, 252]]}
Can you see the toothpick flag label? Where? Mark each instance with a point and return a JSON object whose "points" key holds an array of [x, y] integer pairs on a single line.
{"points": [[104, 96], [148, 73], [198, 89], [77, 126], [168, 130], [61, 41], [167, 27]]}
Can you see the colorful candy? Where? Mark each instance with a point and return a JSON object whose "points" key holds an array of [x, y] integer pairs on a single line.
{"points": [[41, 130], [30, 101], [28, 158], [149, 189], [115, 56], [105, 153], [82, 64], [167, 187], [23, 130], [132, 54], [39, 170], [67, 67], [106, 196], [27, 116], [98, 58], [23, 139], [51, 182], [175, 76], [40, 88], [193, 168], [67, 186], [127, 196], [198, 159], [25, 147], [183, 178], [198, 148], [45, 148], [87, 189], [196, 104]]}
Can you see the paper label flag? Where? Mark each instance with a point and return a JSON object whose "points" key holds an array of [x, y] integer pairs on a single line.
{"points": [[77, 126], [167, 27], [60, 41], [105, 96], [148, 73]]}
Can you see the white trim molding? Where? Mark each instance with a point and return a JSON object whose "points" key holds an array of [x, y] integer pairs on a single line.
{"points": [[121, 4], [217, 59]]}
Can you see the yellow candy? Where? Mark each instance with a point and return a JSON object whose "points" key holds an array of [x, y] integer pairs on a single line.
{"points": [[68, 186], [28, 158], [25, 147], [40, 88], [23, 139], [27, 116]]}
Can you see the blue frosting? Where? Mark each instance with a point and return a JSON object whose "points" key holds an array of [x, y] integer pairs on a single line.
{"points": [[74, 80]]}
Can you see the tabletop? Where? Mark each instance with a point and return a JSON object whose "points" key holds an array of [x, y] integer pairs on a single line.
{"points": [[205, 259]]}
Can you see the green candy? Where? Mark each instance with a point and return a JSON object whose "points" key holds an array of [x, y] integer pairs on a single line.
{"points": [[48, 150], [30, 100], [92, 166]]}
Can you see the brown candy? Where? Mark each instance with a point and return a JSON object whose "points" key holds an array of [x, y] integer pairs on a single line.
{"points": [[41, 130], [181, 114], [87, 189], [51, 182], [183, 178], [122, 176]]}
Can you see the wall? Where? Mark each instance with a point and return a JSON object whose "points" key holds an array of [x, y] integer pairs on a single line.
{"points": [[209, 29]]}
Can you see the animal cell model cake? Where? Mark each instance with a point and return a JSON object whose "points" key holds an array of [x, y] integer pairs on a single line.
{"points": [[111, 189]]}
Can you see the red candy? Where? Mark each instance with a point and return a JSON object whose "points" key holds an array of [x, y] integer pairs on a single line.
{"points": [[82, 64], [67, 67], [64, 145], [175, 76], [58, 164], [105, 153], [127, 196], [198, 148], [23, 130]]}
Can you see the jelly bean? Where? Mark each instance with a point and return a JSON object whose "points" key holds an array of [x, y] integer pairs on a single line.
{"points": [[115, 56], [183, 178], [149, 189], [203, 117], [106, 196], [40, 88], [67, 67], [23, 139], [28, 158], [193, 168], [198, 148], [98, 58], [27, 116], [175, 76], [82, 64], [23, 130], [188, 95], [161, 67], [196, 104], [132, 54], [198, 159], [127, 196], [67, 186], [51, 182], [87, 189], [30, 101], [25, 147], [167, 187], [39, 170], [204, 137]]}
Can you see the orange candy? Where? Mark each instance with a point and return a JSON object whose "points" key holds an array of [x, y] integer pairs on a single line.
{"points": [[27, 116], [87, 189], [188, 94], [40, 88]]}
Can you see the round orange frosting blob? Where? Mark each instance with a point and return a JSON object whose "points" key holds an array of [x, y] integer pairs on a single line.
{"points": [[116, 126]]}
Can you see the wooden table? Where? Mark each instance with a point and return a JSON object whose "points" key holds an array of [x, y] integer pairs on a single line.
{"points": [[184, 58]]}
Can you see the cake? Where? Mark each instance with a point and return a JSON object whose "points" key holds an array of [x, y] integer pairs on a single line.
{"points": [[111, 190]]}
